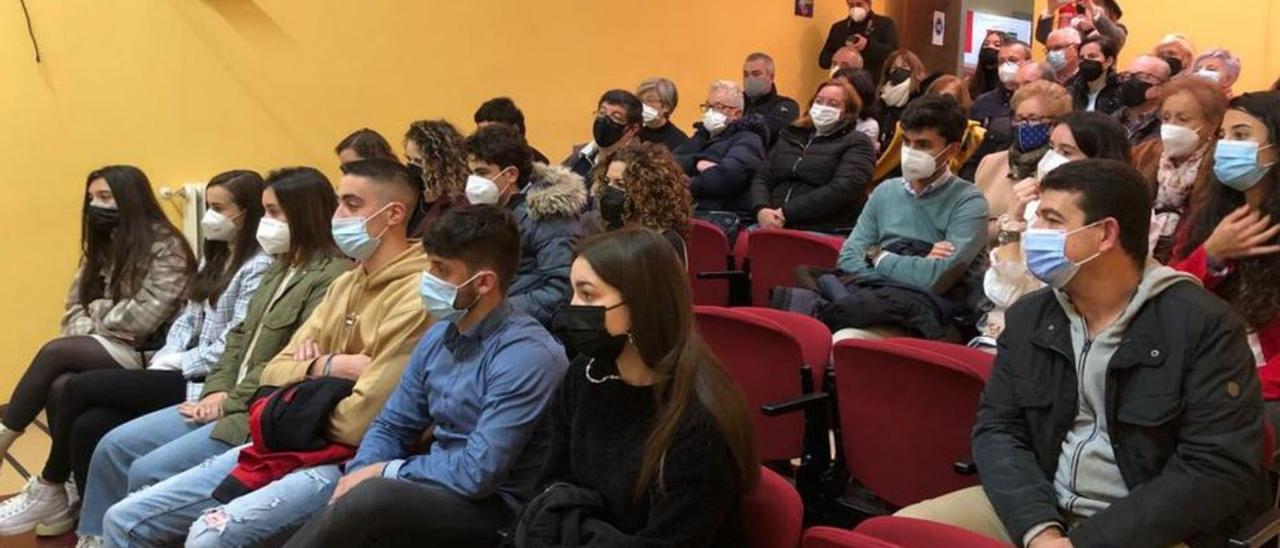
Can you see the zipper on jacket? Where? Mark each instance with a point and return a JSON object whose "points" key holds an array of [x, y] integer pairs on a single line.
{"points": [[796, 165], [1075, 459]]}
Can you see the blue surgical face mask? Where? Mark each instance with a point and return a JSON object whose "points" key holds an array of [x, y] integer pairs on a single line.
{"points": [[1236, 164], [352, 236], [1057, 59], [439, 296], [1032, 136], [1046, 251]]}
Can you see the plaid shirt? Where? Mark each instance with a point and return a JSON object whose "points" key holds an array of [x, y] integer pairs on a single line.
{"points": [[200, 333]]}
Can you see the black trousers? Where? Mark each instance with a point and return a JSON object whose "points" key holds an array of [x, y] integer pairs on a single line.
{"points": [[41, 385], [387, 512], [95, 402]]}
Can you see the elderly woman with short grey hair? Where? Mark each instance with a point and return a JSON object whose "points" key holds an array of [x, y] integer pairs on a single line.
{"points": [[660, 97], [1219, 66]]}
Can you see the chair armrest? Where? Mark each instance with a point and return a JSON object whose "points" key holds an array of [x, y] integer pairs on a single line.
{"points": [[965, 468], [801, 403], [722, 275], [1258, 532]]}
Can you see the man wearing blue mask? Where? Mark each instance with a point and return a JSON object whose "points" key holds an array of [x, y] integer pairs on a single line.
{"points": [[1063, 55], [453, 455], [546, 202], [1123, 409], [363, 331]]}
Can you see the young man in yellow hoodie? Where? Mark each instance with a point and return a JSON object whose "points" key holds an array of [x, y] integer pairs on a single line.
{"points": [[364, 330]]}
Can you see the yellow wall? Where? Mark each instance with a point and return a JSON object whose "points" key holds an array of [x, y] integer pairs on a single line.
{"points": [[185, 88], [1249, 28]]}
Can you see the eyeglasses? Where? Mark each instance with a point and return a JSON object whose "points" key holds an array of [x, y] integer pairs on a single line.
{"points": [[718, 107]]}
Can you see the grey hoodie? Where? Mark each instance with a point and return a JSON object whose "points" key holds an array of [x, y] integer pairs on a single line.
{"points": [[1088, 478]]}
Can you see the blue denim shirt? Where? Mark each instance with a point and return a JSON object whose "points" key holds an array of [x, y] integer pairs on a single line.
{"points": [[484, 392]]}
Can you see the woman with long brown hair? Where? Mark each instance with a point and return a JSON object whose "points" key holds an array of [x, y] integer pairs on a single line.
{"points": [[647, 417]]}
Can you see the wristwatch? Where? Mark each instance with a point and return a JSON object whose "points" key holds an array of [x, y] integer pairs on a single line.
{"points": [[873, 251], [1010, 230]]}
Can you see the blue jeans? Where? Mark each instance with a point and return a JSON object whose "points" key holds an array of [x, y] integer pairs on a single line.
{"points": [[138, 453], [181, 508]]}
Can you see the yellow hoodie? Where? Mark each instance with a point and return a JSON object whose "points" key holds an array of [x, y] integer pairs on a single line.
{"points": [[377, 314]]}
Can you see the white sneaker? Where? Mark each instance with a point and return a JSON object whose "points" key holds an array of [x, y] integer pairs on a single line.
{"points": [[37, 503], [67, 522], [73, 494], [89, 541]]}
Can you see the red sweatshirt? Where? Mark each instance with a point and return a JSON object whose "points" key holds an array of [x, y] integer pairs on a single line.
{"points": [[1197, 264]]}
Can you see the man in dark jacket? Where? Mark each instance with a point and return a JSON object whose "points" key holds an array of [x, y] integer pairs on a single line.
{"points": [[994, 104], [874, 35], [726, 150], [1097, 89], [546, 202], [619, 119], [761, 90], [1124, 409]]}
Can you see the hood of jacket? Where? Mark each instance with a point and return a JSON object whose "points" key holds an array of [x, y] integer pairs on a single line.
{"points": [[554, 191], [409, 262]]}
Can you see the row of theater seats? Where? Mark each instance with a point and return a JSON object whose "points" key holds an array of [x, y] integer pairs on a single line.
{"points": [[764, 258], [901, 411]]}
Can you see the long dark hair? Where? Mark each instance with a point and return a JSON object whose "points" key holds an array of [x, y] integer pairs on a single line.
{"points": [[644, 267], [223, 259], [124, 251], [1099, 136], [308, 201], [1252, 288]]}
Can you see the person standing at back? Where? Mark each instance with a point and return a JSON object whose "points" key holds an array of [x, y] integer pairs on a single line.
{"points": [[872, 34], [759, 85]]}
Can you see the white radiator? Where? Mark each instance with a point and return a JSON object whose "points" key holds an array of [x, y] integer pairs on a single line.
{"points": [[189, 198]]}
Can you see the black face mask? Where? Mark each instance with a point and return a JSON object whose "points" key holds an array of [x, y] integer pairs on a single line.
{"points": [[1133, 92], [416, 171], [988, 58], [898, 76], [1091, 70], [581, 329], [1175, 64], [101, 218], [611, 205], [607, 132]]}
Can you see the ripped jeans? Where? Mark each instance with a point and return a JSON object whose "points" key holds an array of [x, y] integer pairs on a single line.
{"points": [[181, 507]]}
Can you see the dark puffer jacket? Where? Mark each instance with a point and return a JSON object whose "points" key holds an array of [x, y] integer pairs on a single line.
{"points": [[738, 152], [547, 211], [820, 182]]}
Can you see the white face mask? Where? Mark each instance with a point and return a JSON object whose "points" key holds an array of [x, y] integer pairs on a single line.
{"points": [[651, 114], [1210, 75], [896, 96], [859, 14], [823, 116], [1008, 73], [1049, 162], [714, 121], [273, 236], [482, 191], [917, 165], [1179, 141], [217, 227]]}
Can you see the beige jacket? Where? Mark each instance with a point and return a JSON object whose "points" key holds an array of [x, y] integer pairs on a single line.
{"points": [[377, 314]]}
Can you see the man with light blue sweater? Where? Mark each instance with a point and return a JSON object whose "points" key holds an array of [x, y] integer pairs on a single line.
{"points": [[927, 204]]}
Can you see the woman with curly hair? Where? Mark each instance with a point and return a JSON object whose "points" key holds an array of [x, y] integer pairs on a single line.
{"points": [[644, 186], [434, 152], [1231, 243]]}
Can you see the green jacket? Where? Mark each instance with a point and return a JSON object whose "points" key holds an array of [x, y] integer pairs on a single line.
{"points": [[305, 290]]}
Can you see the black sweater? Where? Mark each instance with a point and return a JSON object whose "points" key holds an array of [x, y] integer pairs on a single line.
{"points": [[598, 436], [668, 135]]}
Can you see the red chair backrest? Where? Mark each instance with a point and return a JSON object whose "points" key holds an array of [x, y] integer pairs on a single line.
{"points": [[764, 360], [775, 254], [813, 335], [831, 537], [774, 513], [906, 414], [708, 252], [918, 533]]}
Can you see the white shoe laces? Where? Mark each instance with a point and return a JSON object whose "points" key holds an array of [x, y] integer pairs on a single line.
{"points": [[20, 502]]}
